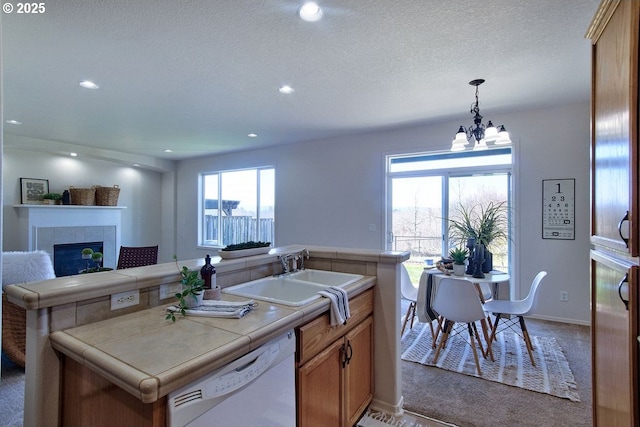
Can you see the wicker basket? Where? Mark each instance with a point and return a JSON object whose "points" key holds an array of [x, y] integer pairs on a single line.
{"points": [[107, 196], [14, 331], [83, 196]]}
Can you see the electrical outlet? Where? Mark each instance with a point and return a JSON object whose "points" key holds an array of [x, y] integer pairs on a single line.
{"points": [[125, 299], [564, 296], [169, 290]]}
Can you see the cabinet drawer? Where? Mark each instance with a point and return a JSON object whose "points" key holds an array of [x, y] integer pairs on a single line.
{"points": [[318, 334]]}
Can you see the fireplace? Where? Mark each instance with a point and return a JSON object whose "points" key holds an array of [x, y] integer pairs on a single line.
{"points": [[67, 258], [42, 227]]}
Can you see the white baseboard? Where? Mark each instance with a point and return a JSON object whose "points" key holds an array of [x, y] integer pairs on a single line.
{"points": [[396, 410], [562, 320]]}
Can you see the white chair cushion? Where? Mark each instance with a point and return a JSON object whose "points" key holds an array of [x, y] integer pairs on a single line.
{"points": [[23, 267]]}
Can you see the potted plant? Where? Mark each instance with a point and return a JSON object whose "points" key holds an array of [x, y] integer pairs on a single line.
{"points": [[192, 290], [87, 253], [51, 198], [485, 224], [458, 255], [97, 258], [239, 250]]}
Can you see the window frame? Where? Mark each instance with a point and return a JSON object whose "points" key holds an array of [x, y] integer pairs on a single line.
{"points": [[446, 173], [219, 243]]}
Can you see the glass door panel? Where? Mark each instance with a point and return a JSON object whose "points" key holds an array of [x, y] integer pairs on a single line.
{"points": [[416, 219], [475, 192]]}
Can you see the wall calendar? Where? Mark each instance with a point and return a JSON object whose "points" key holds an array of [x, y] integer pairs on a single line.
{"points": [[558, 209]]}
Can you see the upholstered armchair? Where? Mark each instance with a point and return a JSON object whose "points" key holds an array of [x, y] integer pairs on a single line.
{"points": [[20, 267]]}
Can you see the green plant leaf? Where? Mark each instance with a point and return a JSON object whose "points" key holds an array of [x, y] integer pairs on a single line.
{"points": [[485, 224]]}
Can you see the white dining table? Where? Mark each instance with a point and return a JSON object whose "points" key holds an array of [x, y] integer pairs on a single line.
{"points": [[429, 281], [425, 295]]}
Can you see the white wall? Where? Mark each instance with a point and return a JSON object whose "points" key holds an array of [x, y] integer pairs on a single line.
{"points": [[329, 191], [141, 192]]}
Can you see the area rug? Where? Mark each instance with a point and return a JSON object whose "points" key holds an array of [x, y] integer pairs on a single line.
{"points": [[380, 419], [512, 366]]}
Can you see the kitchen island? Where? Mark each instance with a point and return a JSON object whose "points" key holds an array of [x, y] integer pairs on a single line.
{"points": [[147, 356]]}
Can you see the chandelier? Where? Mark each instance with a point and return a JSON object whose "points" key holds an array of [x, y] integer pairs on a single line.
{"points": [[481, 134]]}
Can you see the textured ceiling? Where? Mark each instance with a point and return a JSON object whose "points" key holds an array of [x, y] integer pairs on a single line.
{"points": [[198, 76]]}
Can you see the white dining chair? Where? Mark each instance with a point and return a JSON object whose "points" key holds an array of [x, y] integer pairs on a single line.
{"points": [[457, 301], [512, 311], [408, 292]]}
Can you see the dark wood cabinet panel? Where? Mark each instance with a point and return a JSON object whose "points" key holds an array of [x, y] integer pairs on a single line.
{"points": [[615, 236], [615, 360], [614, 128]]}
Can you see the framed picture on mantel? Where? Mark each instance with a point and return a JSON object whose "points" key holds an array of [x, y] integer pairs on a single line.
{"points": [[32, 190]]}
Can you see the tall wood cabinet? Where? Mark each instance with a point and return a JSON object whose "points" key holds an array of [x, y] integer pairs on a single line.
{"points": [[335, 367], [615, 237]]}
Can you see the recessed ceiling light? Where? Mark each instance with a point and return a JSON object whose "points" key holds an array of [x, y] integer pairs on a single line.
{"points": [[14, 122], [88, 84], [286, 89], [310, 12], [168, 150], [135, 165], [252, 135], [73, 154]]}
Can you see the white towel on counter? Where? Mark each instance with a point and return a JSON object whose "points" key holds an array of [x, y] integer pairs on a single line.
{"points": [[339, 305], [214, 308]]}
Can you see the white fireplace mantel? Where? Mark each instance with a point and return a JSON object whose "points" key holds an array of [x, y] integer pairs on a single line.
{"points": [[42, 226]]}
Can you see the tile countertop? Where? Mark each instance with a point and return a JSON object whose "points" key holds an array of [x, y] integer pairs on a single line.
{"points": [[69, 289], [149, 356]]}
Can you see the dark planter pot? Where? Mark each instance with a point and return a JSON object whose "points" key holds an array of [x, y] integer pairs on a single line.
{"points": [[487, 265]]}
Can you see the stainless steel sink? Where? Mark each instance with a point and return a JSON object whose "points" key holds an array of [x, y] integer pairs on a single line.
{"points": [[294, 289]]}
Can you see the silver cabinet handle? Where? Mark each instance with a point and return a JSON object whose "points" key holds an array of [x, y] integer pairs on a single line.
{"points": [[626, 302], [625, 240]]}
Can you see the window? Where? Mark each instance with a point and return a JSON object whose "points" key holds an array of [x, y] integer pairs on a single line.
{"points": [[237, 206], [425, 188]]}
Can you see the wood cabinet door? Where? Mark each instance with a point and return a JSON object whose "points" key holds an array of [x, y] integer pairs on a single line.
{"points": [[614, 33], [320, 387], [359, 371], [614, 345]]}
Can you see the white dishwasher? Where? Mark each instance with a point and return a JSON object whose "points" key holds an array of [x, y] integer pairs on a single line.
{"points": [[257, 389]]}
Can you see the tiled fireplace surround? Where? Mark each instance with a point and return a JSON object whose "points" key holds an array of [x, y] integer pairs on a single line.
{"points": [[41, 227]]}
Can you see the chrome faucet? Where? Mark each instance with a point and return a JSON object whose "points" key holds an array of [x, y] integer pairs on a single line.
{"points": [[304, 253], [284, 262], [289, 262]]}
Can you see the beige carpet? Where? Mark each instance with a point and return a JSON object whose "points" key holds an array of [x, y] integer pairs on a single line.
{"points": [[512, 366]]}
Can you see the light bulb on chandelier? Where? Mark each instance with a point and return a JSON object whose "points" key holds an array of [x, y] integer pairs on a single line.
{"points": [[481, 133]]}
